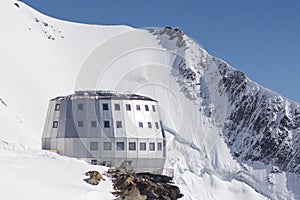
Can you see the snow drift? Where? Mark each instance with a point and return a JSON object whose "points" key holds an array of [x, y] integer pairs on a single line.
{"points": [[228, 137]]}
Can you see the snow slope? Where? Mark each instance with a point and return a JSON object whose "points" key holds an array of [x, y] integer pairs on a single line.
{"points": [[199, 96], [33, 174]]}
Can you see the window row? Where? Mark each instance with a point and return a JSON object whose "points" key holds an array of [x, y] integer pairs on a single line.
{"points": [[106, 124], [132, 146], [117, 107], [149, 124]]}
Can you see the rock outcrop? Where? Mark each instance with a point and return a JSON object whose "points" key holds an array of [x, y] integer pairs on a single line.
{"points": [[94, 177], [142, 186]]}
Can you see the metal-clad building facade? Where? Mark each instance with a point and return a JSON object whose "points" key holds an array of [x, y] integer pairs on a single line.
{"points": [[107, 128]]}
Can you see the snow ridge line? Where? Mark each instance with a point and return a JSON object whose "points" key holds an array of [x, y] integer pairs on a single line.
{"points": [[181, 139], [239, 177]]}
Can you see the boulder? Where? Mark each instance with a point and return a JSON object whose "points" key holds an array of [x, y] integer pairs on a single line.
{"points": [[94, 177]]}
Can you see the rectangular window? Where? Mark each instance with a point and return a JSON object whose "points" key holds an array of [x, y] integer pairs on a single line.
{"points": [[153, 108], [93, 124], [106, 124], [117, 106], [107, 146], [152, 146], [132, 146], [107, 163], [94, 146], [80, 106], [80, 123], [120, 146], [143, 146], [159, 146], [105, 106], [93, 162], [57, 107], [138, 107], [156, 125], [55, 124], [149, 125], [119, 124], [146, 107], [141, 124], [128, 107]]}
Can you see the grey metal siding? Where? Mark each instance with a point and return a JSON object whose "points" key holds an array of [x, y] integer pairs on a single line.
{"points": [[72, 140]]}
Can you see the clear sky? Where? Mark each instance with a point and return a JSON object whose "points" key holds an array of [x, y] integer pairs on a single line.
{"points": [[259, 37]]}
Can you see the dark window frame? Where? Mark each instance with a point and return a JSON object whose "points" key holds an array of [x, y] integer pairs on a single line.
{"points": [[159, 146], [143, 144], [153, 108], [120, 148], [94, 162], [130, 147], [80, 124], [117, 106], [94, 124], [138, 107], [149, 124], [128, 107], [147, 108], [152, 146], [141, 125], [107, 146], [94, 146], [55, 124], [157, 125], [119, 124], [105, 106], [106, 124], [57, 107]]}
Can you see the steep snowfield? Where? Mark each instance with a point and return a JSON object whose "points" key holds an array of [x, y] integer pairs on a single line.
{"points": [[41, 58]]}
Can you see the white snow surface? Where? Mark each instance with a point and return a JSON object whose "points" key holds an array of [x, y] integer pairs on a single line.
{"points": [[42, 57], [34, 174]]}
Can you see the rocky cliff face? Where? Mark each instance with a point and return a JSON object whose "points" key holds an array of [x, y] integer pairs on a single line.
{"points": [[262, 125], [257, 124]]}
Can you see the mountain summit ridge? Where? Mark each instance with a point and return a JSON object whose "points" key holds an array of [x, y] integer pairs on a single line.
{"points": [[254, 111]]}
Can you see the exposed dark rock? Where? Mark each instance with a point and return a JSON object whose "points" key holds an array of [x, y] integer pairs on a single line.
{"points": [[260, 126], [94, 177], [175, 33], [143, 186]]}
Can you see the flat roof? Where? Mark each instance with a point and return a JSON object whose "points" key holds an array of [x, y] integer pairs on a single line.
{"points": [[102, 94]]}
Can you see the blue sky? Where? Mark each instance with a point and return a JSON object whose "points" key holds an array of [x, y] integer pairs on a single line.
{"points": [[260, 38]]}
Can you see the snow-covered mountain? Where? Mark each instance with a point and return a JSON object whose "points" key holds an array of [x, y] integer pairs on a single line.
{"points": [[228, 137]]}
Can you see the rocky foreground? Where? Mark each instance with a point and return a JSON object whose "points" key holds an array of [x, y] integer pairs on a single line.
{"points": [[142, 186], [138, 186]]}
